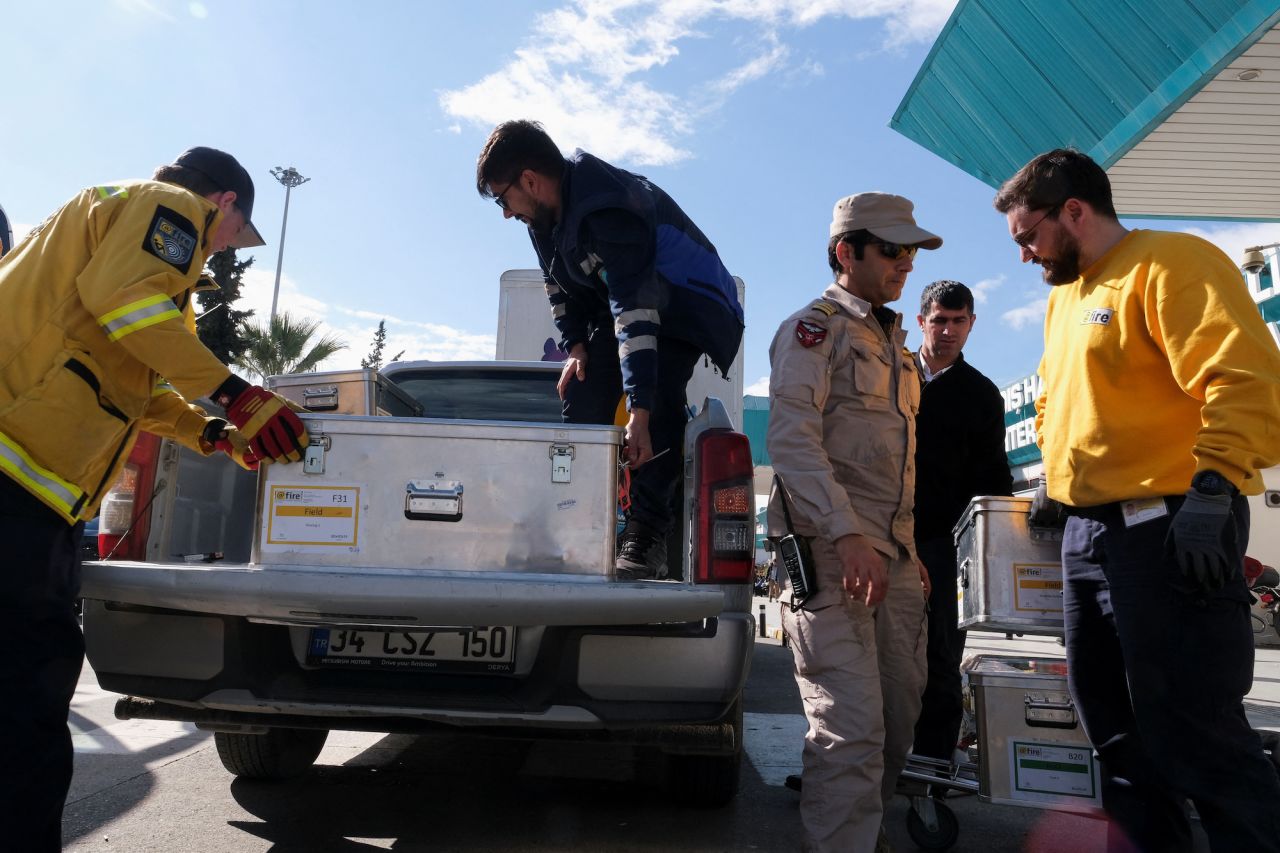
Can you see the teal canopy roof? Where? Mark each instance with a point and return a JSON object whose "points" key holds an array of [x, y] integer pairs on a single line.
{"points": [[1178, 100]]}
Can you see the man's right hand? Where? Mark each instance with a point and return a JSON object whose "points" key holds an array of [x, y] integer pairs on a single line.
{"points": [[1045, 511], [575, 366], [267, 423], [865, 575]]}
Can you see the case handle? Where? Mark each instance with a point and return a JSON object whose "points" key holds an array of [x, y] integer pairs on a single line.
{"points": [[1049, 714]]}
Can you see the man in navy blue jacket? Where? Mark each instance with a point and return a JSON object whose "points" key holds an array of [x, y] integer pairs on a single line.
{"points": [[638, 294]]}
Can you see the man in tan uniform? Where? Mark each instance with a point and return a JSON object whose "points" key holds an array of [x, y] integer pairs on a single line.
{"points": [[843, 398]]}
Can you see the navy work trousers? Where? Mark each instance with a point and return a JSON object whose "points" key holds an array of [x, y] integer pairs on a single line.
{"points": [[1159, 671], [39, 584], [595, 401], [942, 708]]}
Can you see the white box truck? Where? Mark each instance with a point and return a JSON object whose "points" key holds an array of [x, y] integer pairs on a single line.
{"points": [[526, 332]]}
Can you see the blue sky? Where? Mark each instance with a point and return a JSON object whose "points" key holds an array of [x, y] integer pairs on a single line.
{"points": [[756, 115]]}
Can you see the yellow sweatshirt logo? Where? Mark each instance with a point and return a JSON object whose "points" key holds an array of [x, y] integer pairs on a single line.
{"points": [[1097, 317]]}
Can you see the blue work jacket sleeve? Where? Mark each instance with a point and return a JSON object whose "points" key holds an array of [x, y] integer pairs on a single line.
{"points": [[624, 244]]}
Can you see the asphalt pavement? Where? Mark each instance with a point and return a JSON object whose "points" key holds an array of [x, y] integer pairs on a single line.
{"points": [[159, 786]]}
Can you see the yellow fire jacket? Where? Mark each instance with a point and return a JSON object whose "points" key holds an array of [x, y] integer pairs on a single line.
{"points": [[1156, 365], [95, 306]]}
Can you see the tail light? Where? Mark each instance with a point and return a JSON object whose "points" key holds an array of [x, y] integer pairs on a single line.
{"points": [[1252, 571], [124, 522], [725, 509]]}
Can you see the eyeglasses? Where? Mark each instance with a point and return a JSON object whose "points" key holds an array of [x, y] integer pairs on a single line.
{"points": [[895, 251], [1023, 239], [499, 200]]}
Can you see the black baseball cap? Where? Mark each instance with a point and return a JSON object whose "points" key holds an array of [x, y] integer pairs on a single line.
{"points": [[227, 174]]}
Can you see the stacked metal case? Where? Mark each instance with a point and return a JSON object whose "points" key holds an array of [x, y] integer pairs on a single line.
{"points": [[346, 392], [449, 496], [1009, 574], [1033, 749]]}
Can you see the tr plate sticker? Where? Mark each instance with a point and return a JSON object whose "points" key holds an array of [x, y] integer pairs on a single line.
{"points": [[312, 517], [171, 237]]}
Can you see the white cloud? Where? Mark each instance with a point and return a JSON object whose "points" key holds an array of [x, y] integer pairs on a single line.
{"points": [[1026, 315], [1235, 238], [759, 388], [356, 327], [982, 288], [581, 71]]}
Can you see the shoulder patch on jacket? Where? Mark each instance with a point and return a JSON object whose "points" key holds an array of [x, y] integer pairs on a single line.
{"points": [[810, 334], [171, 237]]}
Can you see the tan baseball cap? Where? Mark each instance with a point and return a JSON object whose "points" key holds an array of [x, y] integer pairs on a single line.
{"points": [[885, 215]]}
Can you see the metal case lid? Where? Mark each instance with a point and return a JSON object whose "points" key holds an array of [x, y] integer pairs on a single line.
{"points": [[1007, 671], [990, 503]]}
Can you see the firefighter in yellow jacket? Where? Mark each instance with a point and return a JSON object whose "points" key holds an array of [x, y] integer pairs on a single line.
{"points": [[97, 342]]}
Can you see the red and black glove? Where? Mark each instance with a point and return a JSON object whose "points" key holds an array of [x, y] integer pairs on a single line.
{"points": [[220, 435], [265, 420]]}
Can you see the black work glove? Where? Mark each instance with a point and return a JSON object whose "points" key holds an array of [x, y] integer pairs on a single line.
{"points": [[1198, 537], [1045, 511]]}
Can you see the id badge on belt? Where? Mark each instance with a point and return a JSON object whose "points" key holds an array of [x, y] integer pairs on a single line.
{"points": [[1145, 509]]}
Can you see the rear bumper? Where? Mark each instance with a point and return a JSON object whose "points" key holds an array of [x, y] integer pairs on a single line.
{"points": [[225, 670], [326, 596]]}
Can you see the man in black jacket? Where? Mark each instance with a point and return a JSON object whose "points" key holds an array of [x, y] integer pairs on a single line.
{"points": [[638, 294], [959, 455]]}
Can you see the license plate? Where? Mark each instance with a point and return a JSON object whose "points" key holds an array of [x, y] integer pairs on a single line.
{"points": [[485, 649]]}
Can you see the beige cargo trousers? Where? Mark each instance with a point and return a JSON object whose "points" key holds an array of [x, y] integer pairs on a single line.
{"points": [[861, 671]]}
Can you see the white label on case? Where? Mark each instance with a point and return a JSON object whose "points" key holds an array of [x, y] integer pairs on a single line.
{"points": [[311, 517], [1037, 587]]}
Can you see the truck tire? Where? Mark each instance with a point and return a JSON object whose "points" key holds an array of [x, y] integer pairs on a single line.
{"points": [[707, 781], [278, 754]]}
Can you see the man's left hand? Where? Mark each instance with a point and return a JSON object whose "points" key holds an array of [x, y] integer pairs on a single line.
{"points": [[1196, 539], [638, 447], [924, 580]]}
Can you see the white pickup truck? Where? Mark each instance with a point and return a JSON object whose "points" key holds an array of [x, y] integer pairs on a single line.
{"points": [[414, 573]]}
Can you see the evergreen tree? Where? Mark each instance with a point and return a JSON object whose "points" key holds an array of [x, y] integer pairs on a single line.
{"points": [[374, 359], [221, 329]]}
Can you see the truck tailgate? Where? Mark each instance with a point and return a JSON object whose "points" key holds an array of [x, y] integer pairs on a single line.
{"points": [[321, 595]]}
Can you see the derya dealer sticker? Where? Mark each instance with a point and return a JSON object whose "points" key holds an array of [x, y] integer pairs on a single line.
{"points": [[312, 518]]}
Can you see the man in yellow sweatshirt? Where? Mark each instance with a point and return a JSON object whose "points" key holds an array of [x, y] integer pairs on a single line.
{"points": [[97, 342], [1161, 403]]}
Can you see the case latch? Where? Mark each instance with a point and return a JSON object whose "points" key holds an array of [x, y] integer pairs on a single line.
{"points": [[561, 462], [313, 457]]}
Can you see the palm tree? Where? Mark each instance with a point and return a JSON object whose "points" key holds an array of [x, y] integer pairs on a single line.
{"points": [[281, 349]]}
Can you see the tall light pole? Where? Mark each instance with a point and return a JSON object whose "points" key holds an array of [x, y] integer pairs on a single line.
{"points": [[291, 178]]}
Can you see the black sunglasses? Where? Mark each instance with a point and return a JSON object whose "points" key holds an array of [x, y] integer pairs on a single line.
{"points": [[895, 251]]}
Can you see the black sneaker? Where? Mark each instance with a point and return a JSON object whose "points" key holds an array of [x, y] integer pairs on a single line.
{"points": [[642, 555]]}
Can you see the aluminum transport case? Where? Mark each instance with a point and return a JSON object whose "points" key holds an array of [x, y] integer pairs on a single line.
{"points": [[1033, 749], [1009, 576], [347, 392], [448, 495]]}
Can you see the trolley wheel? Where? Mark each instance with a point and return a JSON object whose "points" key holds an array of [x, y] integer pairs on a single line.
{"points": [[941, 837]]}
